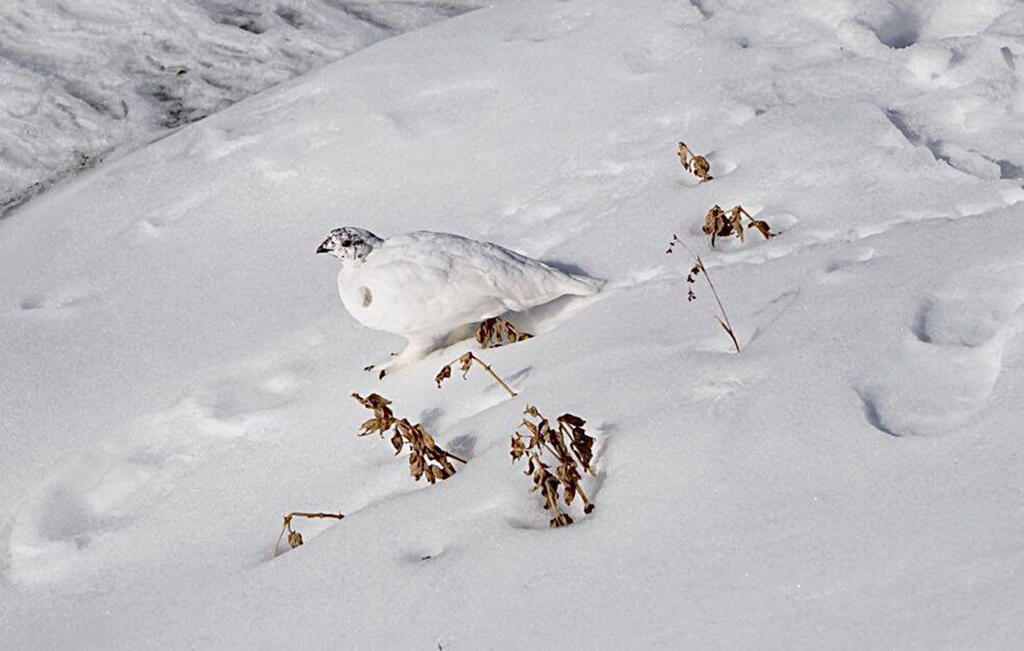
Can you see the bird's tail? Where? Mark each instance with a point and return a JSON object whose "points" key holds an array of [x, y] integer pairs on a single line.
{"points": [[585, 285]]}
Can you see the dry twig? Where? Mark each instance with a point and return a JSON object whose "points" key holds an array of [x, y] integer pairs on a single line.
{"points": [[465, 363], [570, 449], [294, 537]]}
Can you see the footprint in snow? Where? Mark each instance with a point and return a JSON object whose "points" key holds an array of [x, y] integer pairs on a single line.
{"points": [[219, 143], [549, 25], [437, 110], [59, 300], [105, 489], [951, 356], [839, 267]]}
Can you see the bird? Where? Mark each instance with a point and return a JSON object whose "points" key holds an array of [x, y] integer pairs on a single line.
{"points": [[428, 287]]}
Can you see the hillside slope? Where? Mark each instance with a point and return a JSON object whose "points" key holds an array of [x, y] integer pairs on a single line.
{"points": [[178, 365]]}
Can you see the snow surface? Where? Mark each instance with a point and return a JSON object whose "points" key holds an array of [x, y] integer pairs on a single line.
{"points": [[177, 364], [85, 79]]}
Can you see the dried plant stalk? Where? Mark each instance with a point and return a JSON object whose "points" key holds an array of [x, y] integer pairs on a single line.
{"points": [[718, 223], [696, 165], [294, 537], [465, 363], [426, 458], [496, 331], [691, 277], [568, 448]]}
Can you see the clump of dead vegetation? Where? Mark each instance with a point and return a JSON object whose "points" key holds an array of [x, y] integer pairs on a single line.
{"points": [[694, 164], [567, 448], [699, 269], [496, 331], [465, 363], [426, 458], [719, 223], [294, 537]]}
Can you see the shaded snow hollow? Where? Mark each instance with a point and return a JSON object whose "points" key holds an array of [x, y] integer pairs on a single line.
{"points": [[178, 365]]}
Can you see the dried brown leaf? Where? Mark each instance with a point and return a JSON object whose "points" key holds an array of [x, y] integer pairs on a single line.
{"points": [[763, 227], [570, 447], [442, 375]]}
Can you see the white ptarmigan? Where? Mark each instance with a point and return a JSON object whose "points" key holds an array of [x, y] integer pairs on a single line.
{"points": [[425, 286]]}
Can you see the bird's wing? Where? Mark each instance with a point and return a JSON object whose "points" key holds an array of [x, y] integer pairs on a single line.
{"points": [[482, 269], [421, 286]]}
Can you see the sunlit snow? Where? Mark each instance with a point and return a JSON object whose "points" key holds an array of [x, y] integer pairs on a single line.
{"points": [[177, 367]]}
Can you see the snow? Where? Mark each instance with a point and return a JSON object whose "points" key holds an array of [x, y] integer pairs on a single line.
{"points": [[178, 366], [85, 80]]}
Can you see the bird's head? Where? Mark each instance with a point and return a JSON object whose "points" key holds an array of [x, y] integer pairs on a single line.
{"points": [[350, 244]]}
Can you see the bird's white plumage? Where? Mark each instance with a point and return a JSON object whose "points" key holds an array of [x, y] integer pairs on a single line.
{"points": [[424, 285]]}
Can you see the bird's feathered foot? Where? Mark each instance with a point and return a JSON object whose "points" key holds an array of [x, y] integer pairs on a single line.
{"points": [[416, 350]]}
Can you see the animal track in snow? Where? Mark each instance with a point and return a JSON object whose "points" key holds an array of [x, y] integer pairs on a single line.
{"points": [[704, 8], [220, 143], [156, 223], [74, 295], [898, 29], [548, 26], [106, 488], [837, 267], [656, 53], [436, 110], [719, 389], [951, 357], [720, 165]]}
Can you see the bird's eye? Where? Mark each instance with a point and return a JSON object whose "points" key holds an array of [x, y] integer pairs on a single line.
{"points": [[346, 243]]}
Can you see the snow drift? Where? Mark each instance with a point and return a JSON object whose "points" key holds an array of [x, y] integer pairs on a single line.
{"points": [[178, 366]]}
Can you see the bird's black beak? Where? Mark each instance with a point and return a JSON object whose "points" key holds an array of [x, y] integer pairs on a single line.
{"points": [[322, 248]]}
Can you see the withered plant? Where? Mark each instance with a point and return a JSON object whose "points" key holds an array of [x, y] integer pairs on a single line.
{"points": [[426, 458], [567, 448], [694, 164], [496, 331], [718, 223], [691, 278], [294, 537], [465, 363]]}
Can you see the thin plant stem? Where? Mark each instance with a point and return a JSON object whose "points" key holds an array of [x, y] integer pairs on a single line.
{"points": [[487, 367], [336, 516], [449, 454], [724, 321], [494, 375]]}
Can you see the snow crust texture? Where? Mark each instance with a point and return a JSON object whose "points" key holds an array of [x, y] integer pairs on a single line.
{"points": [[84, 79], [177, 367]]}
